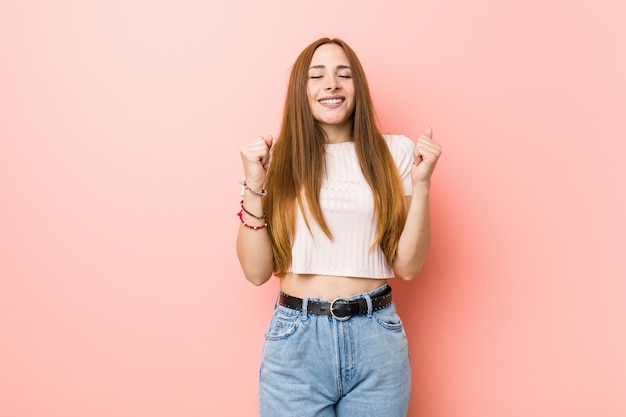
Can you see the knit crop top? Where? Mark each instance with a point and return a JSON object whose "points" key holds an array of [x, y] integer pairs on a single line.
{"points": [[347, 203]]}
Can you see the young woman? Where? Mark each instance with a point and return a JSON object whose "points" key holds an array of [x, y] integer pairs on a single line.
{"points": [[338, 211]]}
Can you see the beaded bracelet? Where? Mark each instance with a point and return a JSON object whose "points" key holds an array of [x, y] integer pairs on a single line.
{"points": [[258, 194], [249, 226], [250, 214]]}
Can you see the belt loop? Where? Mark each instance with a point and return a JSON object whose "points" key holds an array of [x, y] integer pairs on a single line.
{"points": [[305, 308], [370, 309], [276, 300]]}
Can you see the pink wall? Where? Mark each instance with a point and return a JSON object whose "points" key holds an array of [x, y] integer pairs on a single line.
{"points": [[120, 124]]}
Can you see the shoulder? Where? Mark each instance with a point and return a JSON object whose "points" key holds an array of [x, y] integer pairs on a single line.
{"points": [[400, 142], [399, 145], [401, 150]]}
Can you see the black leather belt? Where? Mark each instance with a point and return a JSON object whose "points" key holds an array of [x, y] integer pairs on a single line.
{"points": [[340, 308]]}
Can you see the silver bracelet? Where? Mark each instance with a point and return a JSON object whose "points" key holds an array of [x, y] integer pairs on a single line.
{"points": [[263, 192]]}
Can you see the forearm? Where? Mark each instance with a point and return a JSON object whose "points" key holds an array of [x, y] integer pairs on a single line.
{"points": [[415, 238], [254, 248]]}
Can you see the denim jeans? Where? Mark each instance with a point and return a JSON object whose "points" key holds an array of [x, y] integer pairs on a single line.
{"points": [[317, 366]]}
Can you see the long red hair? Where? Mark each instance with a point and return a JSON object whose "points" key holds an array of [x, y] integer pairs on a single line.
{"points": [[297, 164]]}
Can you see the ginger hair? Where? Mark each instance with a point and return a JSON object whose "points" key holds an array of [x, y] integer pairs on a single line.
{"points": [[298, 164]]}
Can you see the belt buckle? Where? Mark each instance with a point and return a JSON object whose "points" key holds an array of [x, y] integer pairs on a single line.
{"points": [[332, 312]]}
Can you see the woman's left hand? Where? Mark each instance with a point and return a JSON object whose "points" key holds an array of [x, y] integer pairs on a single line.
{"points": [[426, 154]]}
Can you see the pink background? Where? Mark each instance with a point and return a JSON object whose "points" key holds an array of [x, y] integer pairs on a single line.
{"points": [[120, 123]]}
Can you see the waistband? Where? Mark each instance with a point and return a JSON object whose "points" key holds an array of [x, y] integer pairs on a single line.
{"points": [[340, 308]]}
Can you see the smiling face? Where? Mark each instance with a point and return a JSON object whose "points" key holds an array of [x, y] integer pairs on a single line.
{"points": [[330, 91]]}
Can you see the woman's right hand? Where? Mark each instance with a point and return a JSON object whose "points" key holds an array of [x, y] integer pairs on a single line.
{"points": [[255, 155], [254, 248]]}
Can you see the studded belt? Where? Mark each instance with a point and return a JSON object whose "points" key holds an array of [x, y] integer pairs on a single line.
{"points": [[340, 308]]}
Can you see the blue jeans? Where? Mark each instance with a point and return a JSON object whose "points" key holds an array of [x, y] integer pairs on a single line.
{"points": [[318, 366]]}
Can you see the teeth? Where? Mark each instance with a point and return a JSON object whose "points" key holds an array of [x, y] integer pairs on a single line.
{"points": [[331, 101]]}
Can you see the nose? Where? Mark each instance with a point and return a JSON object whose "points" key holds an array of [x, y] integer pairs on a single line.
{"points": [[333, 83]]}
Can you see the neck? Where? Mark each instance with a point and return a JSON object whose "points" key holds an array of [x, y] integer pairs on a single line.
{"points": [[337, 134]]}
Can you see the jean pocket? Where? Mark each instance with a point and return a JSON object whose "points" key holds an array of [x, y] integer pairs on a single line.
{"points": [[282, 325], [388, 318]]}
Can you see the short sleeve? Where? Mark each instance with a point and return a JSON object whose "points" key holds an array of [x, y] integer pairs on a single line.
{"points": [[401, 149]]}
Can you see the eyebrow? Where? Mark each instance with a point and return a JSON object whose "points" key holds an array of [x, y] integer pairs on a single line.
{"points": [[324, 66]]}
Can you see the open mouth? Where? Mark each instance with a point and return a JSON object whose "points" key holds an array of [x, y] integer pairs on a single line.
{"points": [[332, 101]]}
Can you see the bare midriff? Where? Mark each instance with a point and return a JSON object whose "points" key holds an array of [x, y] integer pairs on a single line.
{"points": [[327, 287]]}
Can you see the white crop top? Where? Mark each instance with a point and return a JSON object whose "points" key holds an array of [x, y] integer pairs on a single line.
{"points": [[347, 203]]}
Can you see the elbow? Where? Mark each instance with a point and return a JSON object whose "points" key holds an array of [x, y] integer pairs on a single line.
{"points": [[407, 277], [258, 282], [408, 273], [257, 275], [258, 279], [258, 270]]}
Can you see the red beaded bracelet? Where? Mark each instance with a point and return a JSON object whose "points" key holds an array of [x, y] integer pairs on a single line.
{"points": [[249, 226]]}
